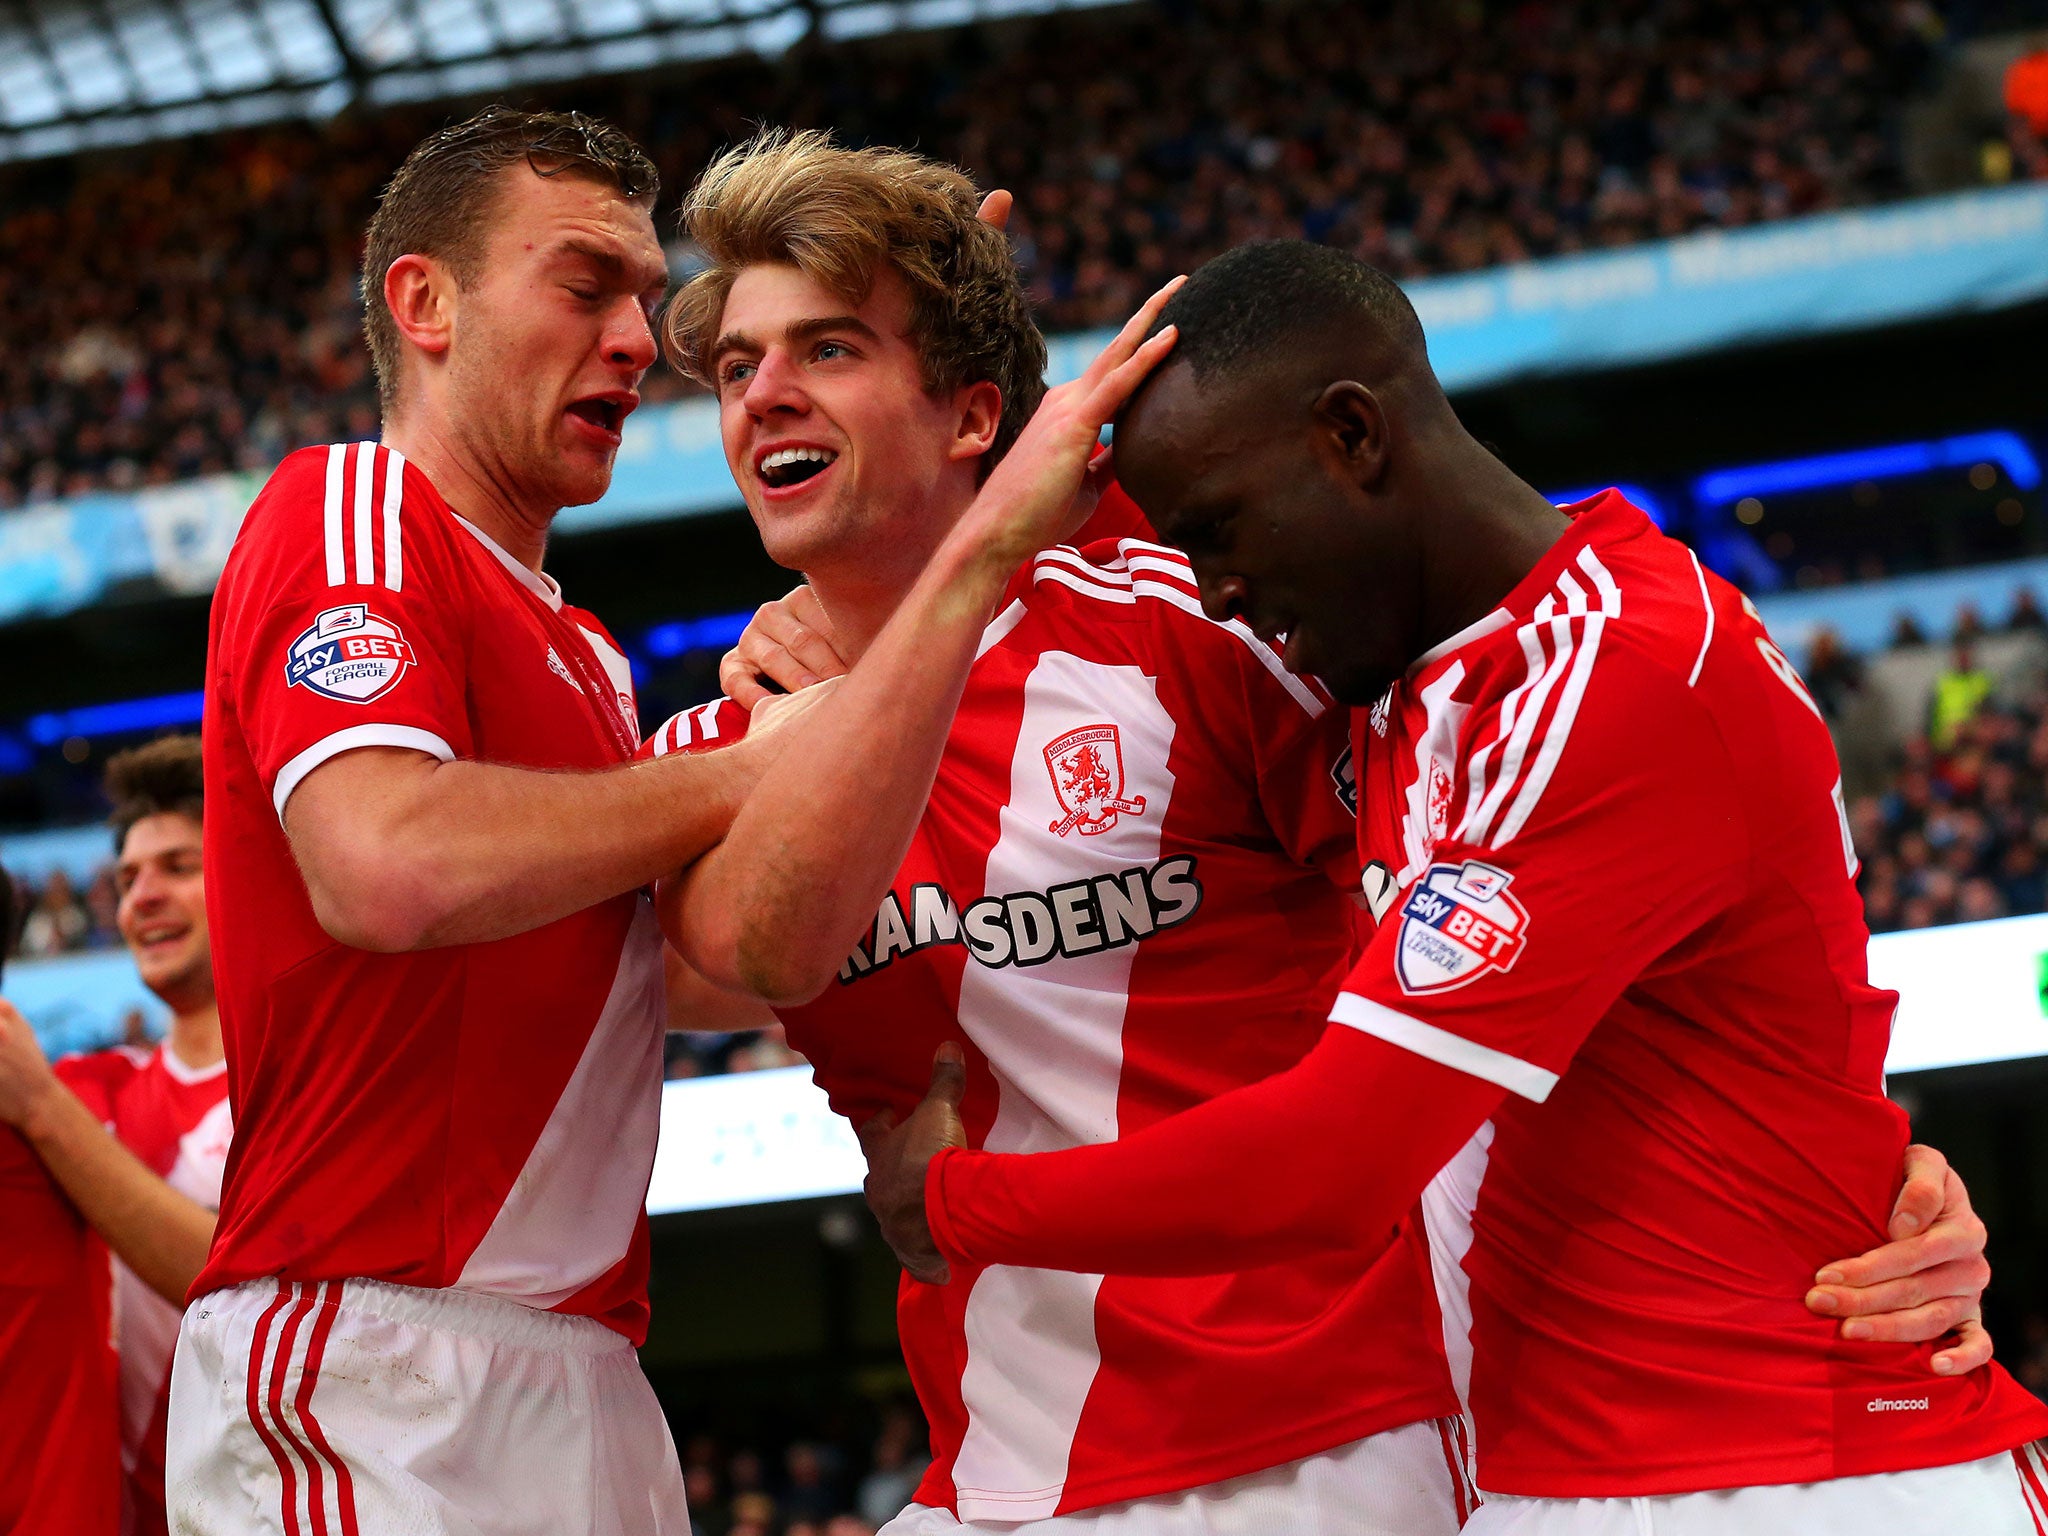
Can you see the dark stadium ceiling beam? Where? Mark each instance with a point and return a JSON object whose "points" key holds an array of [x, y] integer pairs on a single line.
{"points": [[117, 46], [31, 26], [409, 10], [351, 61], [180, 22], [264, 30]]}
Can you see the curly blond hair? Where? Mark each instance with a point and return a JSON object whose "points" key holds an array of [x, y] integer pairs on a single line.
{"points": [[840, 216]]}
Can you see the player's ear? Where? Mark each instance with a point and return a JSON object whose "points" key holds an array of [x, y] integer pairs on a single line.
{"points": [[981, 417], [418, 290], [1352, 431]]}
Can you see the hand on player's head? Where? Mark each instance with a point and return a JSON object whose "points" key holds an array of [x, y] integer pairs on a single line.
{"points": [[899, 1157], [789, 642], [1928, 1282], [1042, 489]]}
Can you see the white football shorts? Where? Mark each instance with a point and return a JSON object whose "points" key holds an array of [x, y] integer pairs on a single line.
{"points": [[1404, 1482], [1998, 1496], [355, 1408]]}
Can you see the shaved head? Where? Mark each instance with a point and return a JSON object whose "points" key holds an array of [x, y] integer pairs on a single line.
{"points": [[1288, 307]]}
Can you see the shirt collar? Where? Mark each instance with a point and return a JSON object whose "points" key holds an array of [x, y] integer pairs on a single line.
{"points": [[539, 583]]}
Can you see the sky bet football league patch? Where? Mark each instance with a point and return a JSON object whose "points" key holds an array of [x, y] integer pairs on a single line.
{"points": [[350, 654], [1458, 923]]}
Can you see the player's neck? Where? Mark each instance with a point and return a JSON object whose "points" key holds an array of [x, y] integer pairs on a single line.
{"points": [[1490, 530], [195, 1037], [467, 482]]}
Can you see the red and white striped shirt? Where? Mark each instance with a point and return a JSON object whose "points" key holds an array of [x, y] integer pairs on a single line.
{"points": [[1606, 845], [1128, 894], [480, 1116]]}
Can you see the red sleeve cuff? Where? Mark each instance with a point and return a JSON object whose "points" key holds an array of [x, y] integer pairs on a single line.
{"points": [[954, 1163]]}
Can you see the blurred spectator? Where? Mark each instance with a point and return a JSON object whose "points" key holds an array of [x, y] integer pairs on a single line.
{"points": [[807, 1490], [1906, 631], [763, 1051], [2026, 612], [2032, 1369], [1833, 674], [183, 309], [57, 922], [900, 1457], [1959, 692]]}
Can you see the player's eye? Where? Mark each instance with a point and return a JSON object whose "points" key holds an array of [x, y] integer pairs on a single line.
{"points": [[735, 373], [829, 350]]}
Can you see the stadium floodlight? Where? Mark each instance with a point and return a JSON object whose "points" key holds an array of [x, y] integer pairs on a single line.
{"points": [[2008, 450]]}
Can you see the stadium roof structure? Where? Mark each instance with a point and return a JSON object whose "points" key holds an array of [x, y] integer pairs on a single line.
{"points": [[80, 74]]}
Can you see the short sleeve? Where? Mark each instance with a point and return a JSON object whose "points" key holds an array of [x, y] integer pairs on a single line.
{"points": [[348, 627], [1581, 850]]}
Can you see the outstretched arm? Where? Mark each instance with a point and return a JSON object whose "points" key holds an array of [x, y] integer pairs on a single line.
{"points": [[774, 908], [160, 1234], [1291, 1166]]}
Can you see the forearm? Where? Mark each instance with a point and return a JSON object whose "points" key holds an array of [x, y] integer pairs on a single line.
{"points": [[776, 906], [402, 852], [157, 1232], [1328, 1156]]}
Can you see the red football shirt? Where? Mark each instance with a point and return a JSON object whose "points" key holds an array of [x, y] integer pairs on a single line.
{"points": [[60, 1450], [480, 1116], [175, 1119], [1129, 893], [1606, 835]]}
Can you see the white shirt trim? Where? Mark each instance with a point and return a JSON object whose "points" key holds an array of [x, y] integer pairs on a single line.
{"points": [[1497, 619], [539, 583], [1443, 1047], [293, 773], [189, 1075]]}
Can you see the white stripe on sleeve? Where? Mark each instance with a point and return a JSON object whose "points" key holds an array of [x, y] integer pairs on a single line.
{"points": [[337, 563], [1443, 1047], [365, 524], [394, 498]]}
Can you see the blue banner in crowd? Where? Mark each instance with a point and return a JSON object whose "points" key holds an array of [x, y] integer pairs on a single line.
{"points": [[1840, 271]]}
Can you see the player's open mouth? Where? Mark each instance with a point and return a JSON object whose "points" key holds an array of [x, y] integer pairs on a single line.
{"points": [[157, 938], [787, 467], [606, 414]]}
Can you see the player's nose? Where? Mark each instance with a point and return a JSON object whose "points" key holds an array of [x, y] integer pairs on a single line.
{"points": [[1224, 597], [777, 384], [629, 338]]}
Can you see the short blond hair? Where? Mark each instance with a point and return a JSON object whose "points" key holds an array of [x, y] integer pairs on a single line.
{"points": [[839, 216]]}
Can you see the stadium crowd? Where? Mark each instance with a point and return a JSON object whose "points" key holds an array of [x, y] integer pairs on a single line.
{"points": [[187, 309], [814, 1487]]}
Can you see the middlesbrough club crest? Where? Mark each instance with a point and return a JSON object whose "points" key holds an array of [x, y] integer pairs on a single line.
{"points": [[350, 654], [1458, 923], [1087, 768]]}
